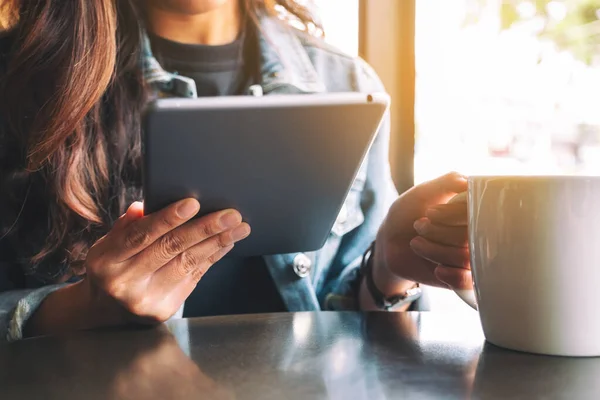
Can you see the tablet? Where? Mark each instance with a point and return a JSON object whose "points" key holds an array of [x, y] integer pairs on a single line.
{"points": [[286, 162]]}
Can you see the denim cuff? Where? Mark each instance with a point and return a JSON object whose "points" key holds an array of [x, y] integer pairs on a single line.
{"points": [[345, 296], [25, 306]]}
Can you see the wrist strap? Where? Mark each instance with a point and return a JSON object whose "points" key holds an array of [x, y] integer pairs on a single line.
{"points": [[381, 301]]}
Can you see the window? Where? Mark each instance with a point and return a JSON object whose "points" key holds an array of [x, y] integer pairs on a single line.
{"points": [[340, 21], [507, 87]]}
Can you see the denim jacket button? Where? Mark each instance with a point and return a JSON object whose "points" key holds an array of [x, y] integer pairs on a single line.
{"points": [[302, 265]]}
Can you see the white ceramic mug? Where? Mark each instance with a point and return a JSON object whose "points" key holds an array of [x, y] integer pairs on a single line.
{"points": [[535, 258]]}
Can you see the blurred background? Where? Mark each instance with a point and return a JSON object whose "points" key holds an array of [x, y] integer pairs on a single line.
{"points": [[500, 86]]}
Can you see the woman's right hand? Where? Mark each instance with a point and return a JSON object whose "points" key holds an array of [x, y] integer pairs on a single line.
{"points": [[146, 266], [142, 271]]}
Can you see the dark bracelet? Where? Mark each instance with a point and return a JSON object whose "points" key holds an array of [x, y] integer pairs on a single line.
{"points": [[381, 301]]}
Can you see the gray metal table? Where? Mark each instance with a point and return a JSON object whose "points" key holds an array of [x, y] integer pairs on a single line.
{"points": [[291, 356]]}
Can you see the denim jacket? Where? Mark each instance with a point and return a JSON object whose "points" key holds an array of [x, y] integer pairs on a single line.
{"points": [[290, 62]]}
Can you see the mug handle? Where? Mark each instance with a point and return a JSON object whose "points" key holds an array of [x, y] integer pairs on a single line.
{"points": [[466, 295]]}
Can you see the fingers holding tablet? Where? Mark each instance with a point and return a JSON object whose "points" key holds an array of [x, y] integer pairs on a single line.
{"points": [[214, 231], [149, 264], [193, 262]]}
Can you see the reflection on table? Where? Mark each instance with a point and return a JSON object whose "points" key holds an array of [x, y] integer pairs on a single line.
{"points": [[291, 356]]}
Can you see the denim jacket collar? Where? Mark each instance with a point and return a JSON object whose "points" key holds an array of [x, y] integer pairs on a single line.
{"points": [[284, 64]]}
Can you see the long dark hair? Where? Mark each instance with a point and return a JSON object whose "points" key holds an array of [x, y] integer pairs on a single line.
{"points": [[72, 95]]}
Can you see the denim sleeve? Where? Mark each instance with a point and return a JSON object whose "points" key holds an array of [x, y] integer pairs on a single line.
{"points": [[17, 306], [377, 196]]}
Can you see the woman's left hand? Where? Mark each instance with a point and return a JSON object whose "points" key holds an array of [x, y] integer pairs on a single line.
{"points": [[423, 238], [443, 239]]}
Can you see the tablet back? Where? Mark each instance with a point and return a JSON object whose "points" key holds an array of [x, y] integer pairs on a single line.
{"points": [[285, 162]]}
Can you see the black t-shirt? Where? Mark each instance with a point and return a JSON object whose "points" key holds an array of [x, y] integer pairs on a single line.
{"points": [[232, 286]]}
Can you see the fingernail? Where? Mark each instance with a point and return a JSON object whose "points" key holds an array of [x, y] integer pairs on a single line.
{"points": [[420, 226], [231, 219], [188, 208], [240, 233], [416, 242]]}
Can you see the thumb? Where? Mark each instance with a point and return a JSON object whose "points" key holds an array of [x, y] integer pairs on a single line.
{"points": [[135, 210], [133, 213], [449, 184]]}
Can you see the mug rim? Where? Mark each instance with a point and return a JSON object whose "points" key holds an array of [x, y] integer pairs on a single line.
{"points": [[535, 177]]}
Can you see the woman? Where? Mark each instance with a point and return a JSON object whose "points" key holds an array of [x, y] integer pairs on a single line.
{"points": [[77, 252]]}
